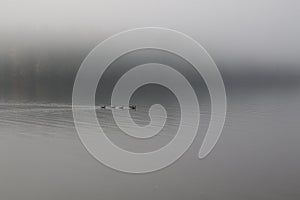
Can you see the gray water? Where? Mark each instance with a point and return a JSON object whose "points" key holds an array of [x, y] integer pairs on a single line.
{"points": [[257, 156], [257, 53], [255, 45]]}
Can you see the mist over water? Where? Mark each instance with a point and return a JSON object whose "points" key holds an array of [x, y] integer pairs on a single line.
{"points": [[256, 157], [42, 74], [256, 48], [44, 43]]}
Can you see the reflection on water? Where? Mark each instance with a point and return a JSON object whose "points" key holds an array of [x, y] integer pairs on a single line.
{"points": [[256, 157]]}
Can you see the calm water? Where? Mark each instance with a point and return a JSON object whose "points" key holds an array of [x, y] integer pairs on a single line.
{"points": [[257, 156], [256, 47]]}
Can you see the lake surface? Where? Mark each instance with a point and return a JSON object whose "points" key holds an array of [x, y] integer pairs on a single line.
{"points": [[257, 156]]}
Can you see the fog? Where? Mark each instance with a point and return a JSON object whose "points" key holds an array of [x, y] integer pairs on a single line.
{"points": [[261, 32], [255, 45], [44, 42]]}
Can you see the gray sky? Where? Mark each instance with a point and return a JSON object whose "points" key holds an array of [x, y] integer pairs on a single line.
{"points": [[264, 32]]}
